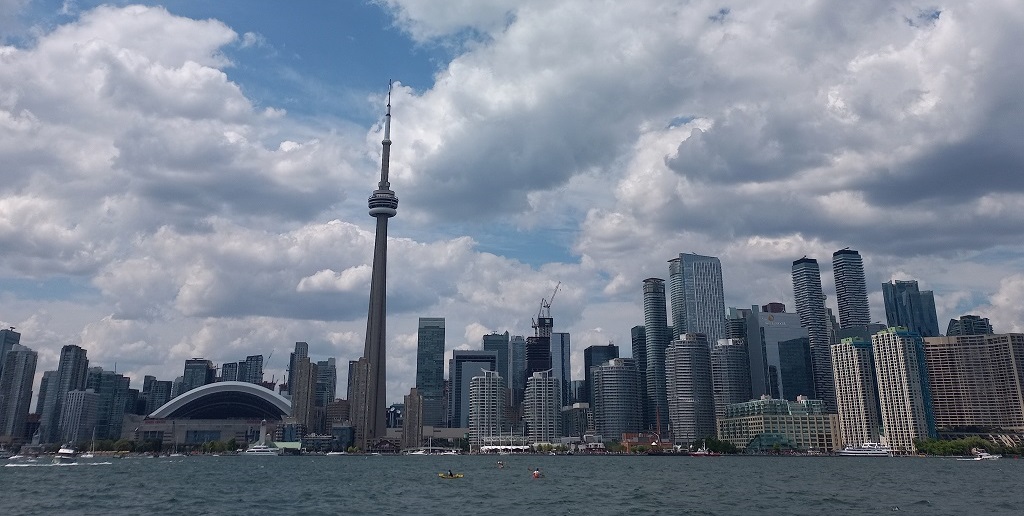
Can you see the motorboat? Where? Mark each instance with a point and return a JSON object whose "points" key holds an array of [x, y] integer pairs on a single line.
{"points": [[866, 450], [980, 454], [703, 451], [65, 455]]}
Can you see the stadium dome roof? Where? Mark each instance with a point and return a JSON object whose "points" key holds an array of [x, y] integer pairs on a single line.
{"points": [[226, 400]]}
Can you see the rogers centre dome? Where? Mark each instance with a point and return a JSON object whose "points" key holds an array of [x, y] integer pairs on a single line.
{"points": [[226, 400]]}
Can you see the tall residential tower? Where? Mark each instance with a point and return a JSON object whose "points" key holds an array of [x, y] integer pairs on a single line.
{"points": [[851, 289], [696, 296], [810, 304]]}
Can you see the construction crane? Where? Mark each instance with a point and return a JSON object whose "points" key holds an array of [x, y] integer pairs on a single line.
{"points": [[544, 322]]}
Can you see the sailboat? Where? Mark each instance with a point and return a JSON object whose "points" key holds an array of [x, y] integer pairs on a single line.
{"points": [[92, 449]]}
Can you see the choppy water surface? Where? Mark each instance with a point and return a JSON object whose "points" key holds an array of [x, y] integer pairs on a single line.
{"points": [[571, 485]]}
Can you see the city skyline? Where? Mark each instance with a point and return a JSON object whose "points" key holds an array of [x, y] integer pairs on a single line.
{"points": [[151, 226]]}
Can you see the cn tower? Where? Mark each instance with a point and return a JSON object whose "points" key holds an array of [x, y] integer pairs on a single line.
{"points": [[372, 371]]}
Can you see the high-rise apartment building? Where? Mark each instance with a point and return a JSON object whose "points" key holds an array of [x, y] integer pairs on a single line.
{"points": [[412, 427], [594, 356], [303, 392], [617, 387], [542, 410], [326, 381], [853, 367], [730, 374], [486, 407], [810, 305], [851, 288], [638, 343], [904, 395], [516, 370], [198, 372], [229, 371], [251, 370], [16, 392], [561, 368], [658, 334], [908, 306], [112, 391], [696, 296], [464, 365], [78, 416], [736, 323], [8, 339], [46, 383], [969, 325], [691, 402], [71, 375], [301, 350], [498, 343], [977, 381]]}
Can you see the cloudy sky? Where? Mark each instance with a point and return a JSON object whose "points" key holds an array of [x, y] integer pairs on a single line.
{"points": [[190, 178]]}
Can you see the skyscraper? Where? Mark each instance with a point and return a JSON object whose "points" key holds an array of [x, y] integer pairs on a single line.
{"points": [[369, 405], [253, 371], [303, 391], [301, 350], [430, 369], [78, 415], [498, 343], [908, 306], [111, 391], [730, 374], [697, 296], [8, 339], [904, 394], [16, 392], [538, 355], [617, 388], [851, 288], [71, 375], [542, 409], [464, 365], [486, 407], [326, 381], [412, 427], [561, 368], [776, 368], [810, 304], [638, 343], [229, 371], [198, 372], [658, 336], [853, 364], [594, 356], [691, 403], [969, 325], [516, 371]]}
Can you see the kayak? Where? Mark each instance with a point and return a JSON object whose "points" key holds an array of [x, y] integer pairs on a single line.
{"points": [[445, 475]]}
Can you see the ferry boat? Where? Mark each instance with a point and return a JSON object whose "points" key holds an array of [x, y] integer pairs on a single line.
{"points": [[866, 450], [261, 450]]}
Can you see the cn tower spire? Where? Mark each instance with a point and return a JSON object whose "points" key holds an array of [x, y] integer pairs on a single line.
{"points": [[371, 371]]}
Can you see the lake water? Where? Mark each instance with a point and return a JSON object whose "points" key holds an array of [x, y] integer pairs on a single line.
{"points": [[571, 485]]}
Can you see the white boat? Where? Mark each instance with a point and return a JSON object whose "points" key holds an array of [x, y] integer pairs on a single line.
{"points": [[981, 455], [65, 455], [337, 453], [866, 450], [261, 450], [704, 451], [92, 451]]}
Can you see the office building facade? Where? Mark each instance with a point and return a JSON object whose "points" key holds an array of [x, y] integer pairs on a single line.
{"points": [[430, 336], [71, 375], [464, 365], [697, 296], [561, 368], [969, 325], [768, 425], [594, 356], [16, 392], [906, 305]]}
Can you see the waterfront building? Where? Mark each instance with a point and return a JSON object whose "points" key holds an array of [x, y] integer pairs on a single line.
{"points": [[908, 306], [112, 390], [594, 356], [8, 339], [810, 305], [638, 344], [691, 402], [577, 420], [412, 427], [303, 393], [16, 379], [71, 375], [658, 336], [430, 369], [198, 372], [977, 381], [464, 365], [301, 351], [542, 408], [561, 369], [768, 425], [617, 387], [516, 371], [78, 416], [730, 373], [853, 367], [969, 325], [778, 350], [696, 296], [369, 402], [486, 407], [326, 381], [851, 288], [904, 395]]}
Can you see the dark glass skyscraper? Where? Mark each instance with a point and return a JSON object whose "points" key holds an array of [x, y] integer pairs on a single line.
{"points": [[658, 336], [430, 369], [851, 288], [969, 325], [696, 296], [71, 375], [810, 305], [369, 406], [594, 356], [908, 306]]}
